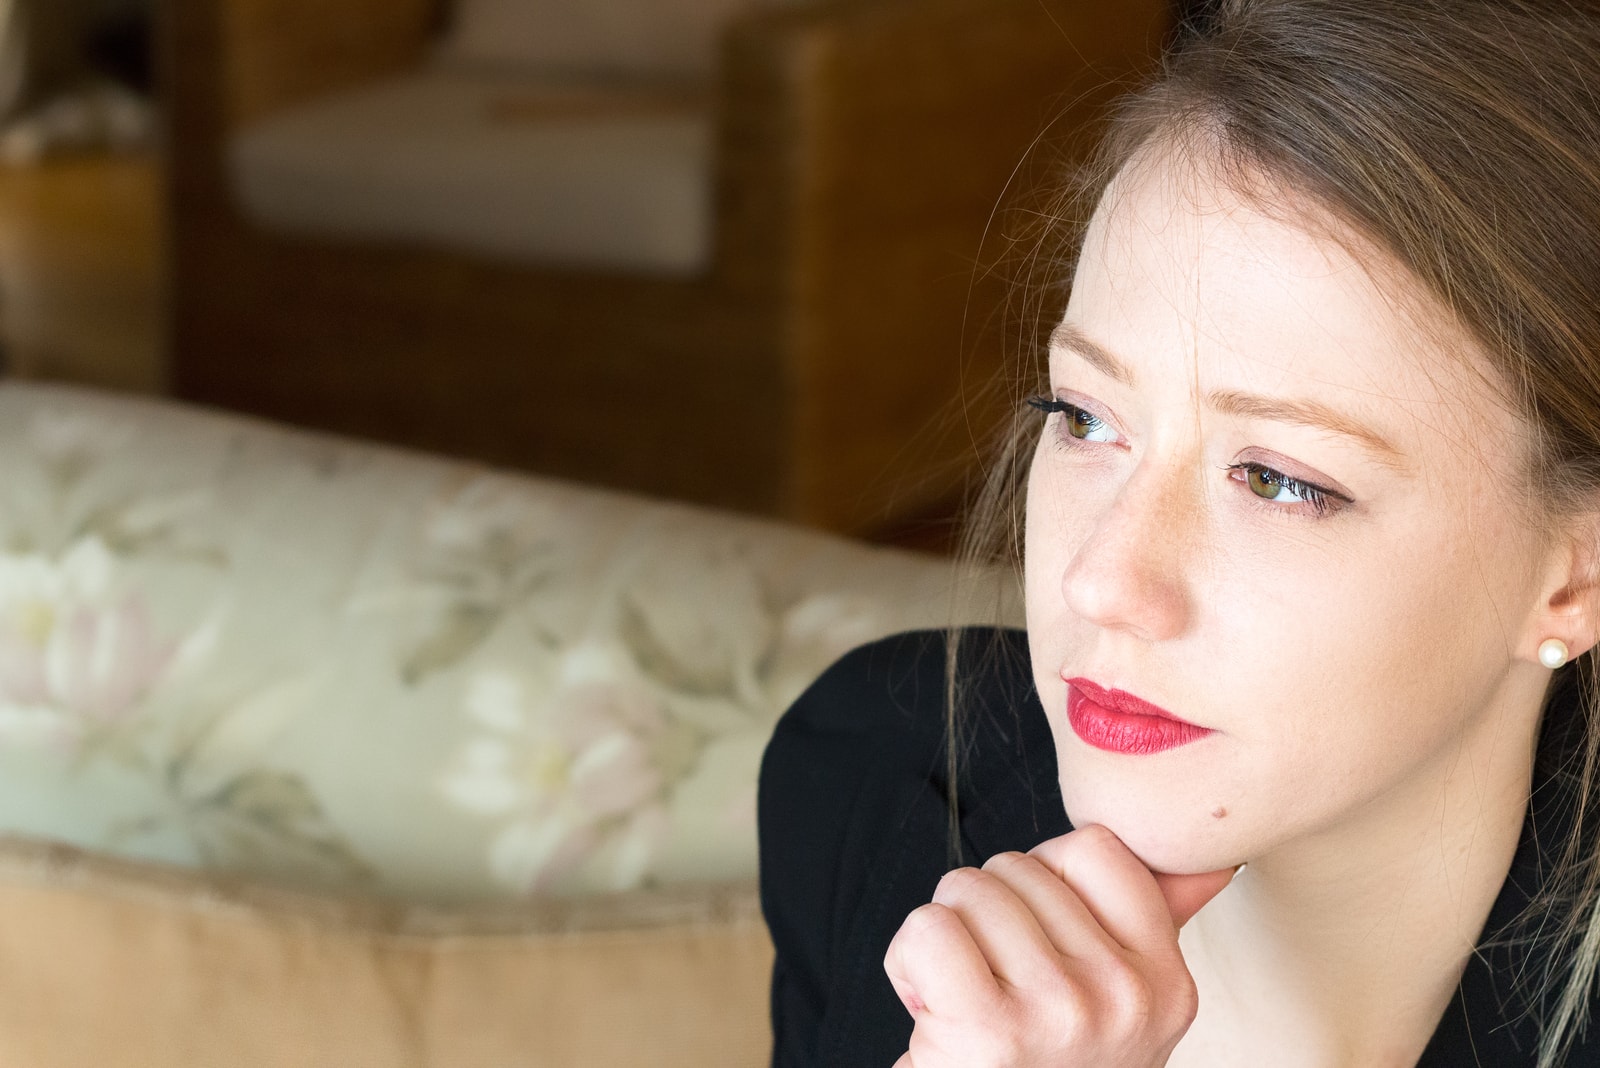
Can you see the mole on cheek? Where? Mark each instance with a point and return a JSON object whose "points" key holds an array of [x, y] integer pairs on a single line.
{"points": [[1218, 813]]}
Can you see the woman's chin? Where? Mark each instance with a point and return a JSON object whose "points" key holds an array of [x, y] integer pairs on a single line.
{"points": [[1168, 841]]}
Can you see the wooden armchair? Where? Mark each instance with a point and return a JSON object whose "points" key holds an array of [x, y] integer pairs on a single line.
{"points": [[862, 147]]}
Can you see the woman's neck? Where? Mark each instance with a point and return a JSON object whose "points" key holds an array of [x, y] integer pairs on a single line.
{"points": [[1347, 947]]}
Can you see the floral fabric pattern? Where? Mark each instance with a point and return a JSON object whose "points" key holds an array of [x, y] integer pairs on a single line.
{"points": [[72, 664], [335, 665]]}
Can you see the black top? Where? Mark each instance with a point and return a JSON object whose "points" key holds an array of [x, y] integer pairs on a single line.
{"points": [[854, 827]]}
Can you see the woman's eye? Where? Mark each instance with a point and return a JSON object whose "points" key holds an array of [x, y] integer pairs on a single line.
{"points": [[1279, 488], [1075, 421], [1267, 484]]}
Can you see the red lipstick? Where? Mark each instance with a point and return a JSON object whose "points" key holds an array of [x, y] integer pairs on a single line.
{"points": [[1119, 722]]}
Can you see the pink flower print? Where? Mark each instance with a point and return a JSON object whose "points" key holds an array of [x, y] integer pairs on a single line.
{"points": [[69, 662], [102, 663], [572, 774]]}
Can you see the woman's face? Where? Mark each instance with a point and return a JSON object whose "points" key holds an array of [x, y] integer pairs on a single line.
{"points": [[1279, 510]]}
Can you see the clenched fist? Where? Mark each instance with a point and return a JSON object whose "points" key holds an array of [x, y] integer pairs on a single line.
{"points": [[1065, 956]]}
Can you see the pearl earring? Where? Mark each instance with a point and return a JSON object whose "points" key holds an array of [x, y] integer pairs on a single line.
{"points": [[1552, 652]]}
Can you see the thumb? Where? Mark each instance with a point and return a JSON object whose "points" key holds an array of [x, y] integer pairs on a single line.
{"points": [[1188, 894]]}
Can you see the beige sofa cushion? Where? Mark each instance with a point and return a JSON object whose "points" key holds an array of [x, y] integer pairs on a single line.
{"points": [[110, 962]]}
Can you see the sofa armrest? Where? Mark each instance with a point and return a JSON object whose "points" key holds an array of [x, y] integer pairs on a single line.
{"points": [[866, 146]]}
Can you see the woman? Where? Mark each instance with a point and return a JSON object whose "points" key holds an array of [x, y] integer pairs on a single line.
{"points": [[1295, 762]]}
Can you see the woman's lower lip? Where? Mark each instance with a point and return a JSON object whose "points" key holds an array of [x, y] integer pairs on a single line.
{"points": [[1123, 732]]}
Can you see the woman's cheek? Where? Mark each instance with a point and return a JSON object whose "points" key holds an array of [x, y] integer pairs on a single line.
{"points": [[1062, 510]]}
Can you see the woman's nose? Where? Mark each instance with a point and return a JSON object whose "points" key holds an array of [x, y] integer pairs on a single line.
{"points": [[1129, 572]]}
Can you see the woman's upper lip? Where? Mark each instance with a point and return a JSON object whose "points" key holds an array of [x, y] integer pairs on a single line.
{"points": [[1121, 700]]}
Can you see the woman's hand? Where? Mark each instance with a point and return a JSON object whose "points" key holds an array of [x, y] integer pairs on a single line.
{"points": [[1064, 956]]}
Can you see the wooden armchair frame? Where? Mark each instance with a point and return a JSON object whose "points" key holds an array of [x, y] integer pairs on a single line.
{"points": [[862, 147]]}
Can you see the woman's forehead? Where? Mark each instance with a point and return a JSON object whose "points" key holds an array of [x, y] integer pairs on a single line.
{"points": [[1178, 264], [1170, 226]]}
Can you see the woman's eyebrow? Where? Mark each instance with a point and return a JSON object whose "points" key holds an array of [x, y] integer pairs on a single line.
{"points": [[1069, 337], [1310, 413]]}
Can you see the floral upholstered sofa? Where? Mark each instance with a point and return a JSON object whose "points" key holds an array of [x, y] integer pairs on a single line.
{"points": [[318, 752]]}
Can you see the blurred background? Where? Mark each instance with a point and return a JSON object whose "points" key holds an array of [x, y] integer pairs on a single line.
{"points": [[758, 254]]}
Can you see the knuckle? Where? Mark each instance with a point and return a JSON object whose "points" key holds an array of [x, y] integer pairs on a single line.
{"points": [[1128, 993], [1141, 1004], [1065, 992], [925, 918], [1070, 1010], [1136, 1002], [1004, 859], [922, 925], [1009, 859], [959, 883], [1183, 1000], [1086, 845], [1095, 838]]}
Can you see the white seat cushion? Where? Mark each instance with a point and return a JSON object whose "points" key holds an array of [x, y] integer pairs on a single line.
{"points": [[660, 38], [570, 175]]}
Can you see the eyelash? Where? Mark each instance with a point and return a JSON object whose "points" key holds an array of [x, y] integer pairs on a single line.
{"points": [[1319, 501]]}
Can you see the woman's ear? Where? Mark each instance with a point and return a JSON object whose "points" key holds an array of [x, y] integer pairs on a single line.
{"points": [[1569, 605]]}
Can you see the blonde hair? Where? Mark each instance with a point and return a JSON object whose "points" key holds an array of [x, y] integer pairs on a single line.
{"points": [[1462, 137]]}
